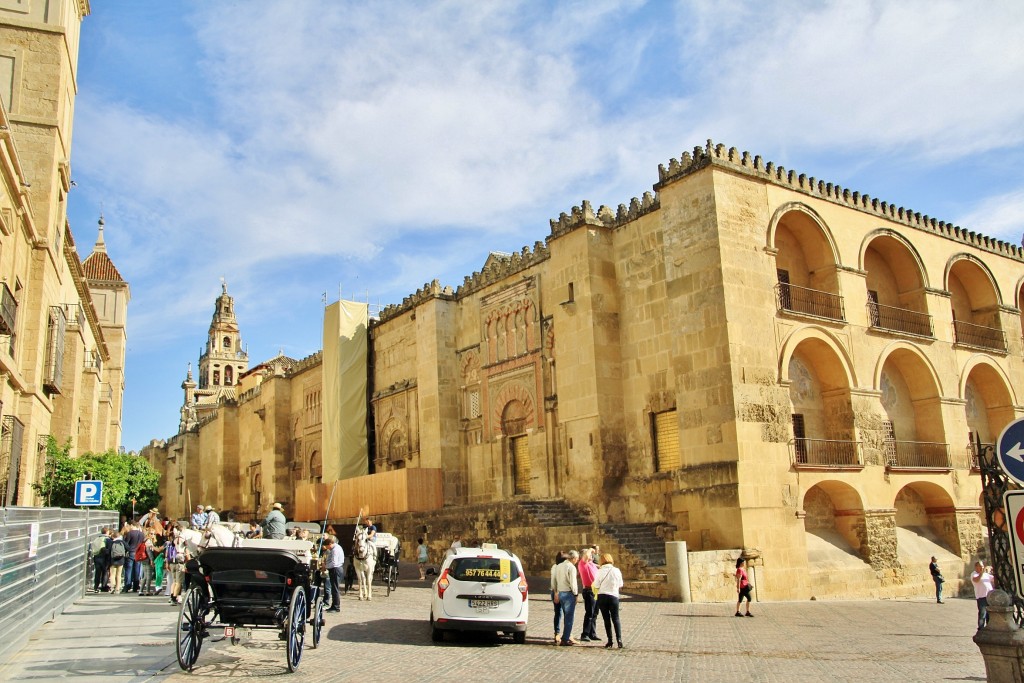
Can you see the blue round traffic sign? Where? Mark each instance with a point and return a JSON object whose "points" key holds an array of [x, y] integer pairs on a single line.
{"points": [[1010, 450]]}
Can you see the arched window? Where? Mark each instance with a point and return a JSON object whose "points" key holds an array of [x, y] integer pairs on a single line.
{"points": [[216, 378], [316, 467], [227, 342], [228, 375]]}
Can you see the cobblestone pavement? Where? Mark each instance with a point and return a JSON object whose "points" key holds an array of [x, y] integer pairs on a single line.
{"points": [[389, 639]]}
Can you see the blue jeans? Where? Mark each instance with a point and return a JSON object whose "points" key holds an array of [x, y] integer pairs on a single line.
{"points": [[558, 614], [938, 587], [129, 574], [567, 605], [982, 612]]}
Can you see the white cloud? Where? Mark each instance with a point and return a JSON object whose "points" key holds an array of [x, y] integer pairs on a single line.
{"points": [[1001, 216], [933, 79]]}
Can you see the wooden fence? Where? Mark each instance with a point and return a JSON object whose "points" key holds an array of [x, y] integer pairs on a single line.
{"points": [[405, 490]]}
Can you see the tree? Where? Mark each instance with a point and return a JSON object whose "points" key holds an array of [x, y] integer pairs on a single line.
{"points": [[125, 476]]}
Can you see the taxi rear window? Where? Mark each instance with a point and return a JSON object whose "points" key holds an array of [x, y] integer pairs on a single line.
{"points": [[485, 569]]}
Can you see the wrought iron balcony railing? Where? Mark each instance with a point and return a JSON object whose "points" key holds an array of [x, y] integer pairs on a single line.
{"points": [[826, 453], [894, 319], [917, 455], [809, 301], [979, 336]]}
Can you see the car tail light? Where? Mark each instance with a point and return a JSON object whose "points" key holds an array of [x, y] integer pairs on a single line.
{"points": [[523, 588], [442, 584]]}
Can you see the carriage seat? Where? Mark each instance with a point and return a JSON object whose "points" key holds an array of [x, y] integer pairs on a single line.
{"points": [[302, 549]]}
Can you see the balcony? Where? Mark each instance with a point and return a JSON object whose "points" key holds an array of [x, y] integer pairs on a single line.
{"points": [[794, 299], [8, 310], [979, 336], [892, 319], [917, 455], [826, 454]]}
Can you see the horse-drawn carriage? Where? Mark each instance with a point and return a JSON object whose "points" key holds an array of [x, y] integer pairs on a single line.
{"points": [[389, 548], [247, 584]]}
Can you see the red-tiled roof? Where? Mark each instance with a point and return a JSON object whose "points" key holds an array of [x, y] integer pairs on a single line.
{"points": [[99, 267]]}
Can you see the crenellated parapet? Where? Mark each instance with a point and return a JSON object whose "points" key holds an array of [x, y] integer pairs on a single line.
{"points": [[584, 215], [499, 267], [717, 155], [428, 292], [312, 360], [250, 394]]}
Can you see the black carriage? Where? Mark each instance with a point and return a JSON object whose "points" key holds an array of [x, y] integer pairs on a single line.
{"points": [[389, 549], [243, 588]]}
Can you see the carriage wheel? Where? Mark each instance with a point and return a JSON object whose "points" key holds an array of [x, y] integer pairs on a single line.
{"points": [[191, 627], [296, 627], [392, 579], [318, 619]]}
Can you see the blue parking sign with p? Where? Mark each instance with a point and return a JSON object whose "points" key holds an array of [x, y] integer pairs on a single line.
{"points": [[88, 492]]}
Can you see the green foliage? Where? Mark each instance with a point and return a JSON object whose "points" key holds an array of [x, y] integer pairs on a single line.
{"points": [[124, 475]]}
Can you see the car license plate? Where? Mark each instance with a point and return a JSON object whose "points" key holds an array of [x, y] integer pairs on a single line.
{"points": [[483, 605]]}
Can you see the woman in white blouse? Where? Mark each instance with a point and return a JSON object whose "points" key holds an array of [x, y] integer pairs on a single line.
{"points": [[607, 585]]}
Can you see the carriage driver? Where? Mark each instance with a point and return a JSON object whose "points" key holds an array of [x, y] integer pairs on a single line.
{"points": [[274, 524]]}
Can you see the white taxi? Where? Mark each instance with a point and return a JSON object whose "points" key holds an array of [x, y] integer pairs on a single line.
{"points": [[480, 589]]}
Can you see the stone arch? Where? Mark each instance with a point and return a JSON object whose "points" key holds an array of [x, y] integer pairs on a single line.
{"points": [[393, 442], [833, 514], [975, 278], [514, 391], [988, 399], [925, 522], [513, 418], [901, 347], [811, 216], [896, 240], [826, 338], [316, 466]]}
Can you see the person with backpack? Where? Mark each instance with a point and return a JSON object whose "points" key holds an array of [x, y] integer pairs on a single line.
{"points": [[99, 551], [118, 553]]}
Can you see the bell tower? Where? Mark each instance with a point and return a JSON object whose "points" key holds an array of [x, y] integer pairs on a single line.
{"points": [[224, 359]]}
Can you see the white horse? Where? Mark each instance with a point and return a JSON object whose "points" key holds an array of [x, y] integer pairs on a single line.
{"points": [[364, 557], [215, 537]]}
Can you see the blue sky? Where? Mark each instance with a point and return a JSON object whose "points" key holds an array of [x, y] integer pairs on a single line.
{"points": [[367, 148]]}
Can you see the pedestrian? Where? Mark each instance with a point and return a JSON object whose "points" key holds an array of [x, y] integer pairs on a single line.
{"points": [[144, 556], [559, 559], [211, 516], [199, 518], [608, 583], [274, 524], [99, 550], [175, 553], [588, 570], [567, 589], [743, 586], [118, 553], [984, 583], [133, 539], [457, 543], [421, 558], [159, 544], [335, 565], [937, 578]]}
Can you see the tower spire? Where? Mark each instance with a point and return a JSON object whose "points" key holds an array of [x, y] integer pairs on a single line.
{"points": [[100, 246]]}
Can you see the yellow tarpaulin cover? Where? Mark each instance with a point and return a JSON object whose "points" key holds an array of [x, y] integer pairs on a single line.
{"points": [[345, 453]]}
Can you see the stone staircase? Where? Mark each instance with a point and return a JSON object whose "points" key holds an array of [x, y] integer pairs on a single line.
{"points": [[548, 513], [638, 549], [640, 539]]}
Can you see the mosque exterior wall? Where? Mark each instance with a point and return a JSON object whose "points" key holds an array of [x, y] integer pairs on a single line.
{"points": [[749, 358]]}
